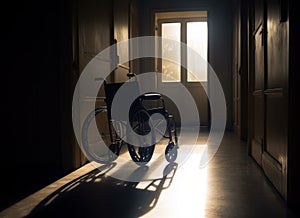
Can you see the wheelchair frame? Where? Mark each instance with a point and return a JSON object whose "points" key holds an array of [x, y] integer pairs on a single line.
{"points": [[139, 121]]}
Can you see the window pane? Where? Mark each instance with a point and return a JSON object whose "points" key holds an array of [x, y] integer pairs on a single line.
{"points": [[170, 70], [197, 40]]}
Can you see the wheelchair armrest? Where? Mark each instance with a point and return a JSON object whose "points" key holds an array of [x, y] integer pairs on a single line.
{"points": [[151, 96]]}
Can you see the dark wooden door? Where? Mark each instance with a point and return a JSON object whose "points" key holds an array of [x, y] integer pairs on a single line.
{"points": [[269, 135], [95, 33]]}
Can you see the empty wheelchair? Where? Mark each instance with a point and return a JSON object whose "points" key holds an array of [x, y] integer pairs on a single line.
{"points": [[140, 149]]}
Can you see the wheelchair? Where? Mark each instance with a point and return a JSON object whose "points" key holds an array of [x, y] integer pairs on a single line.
{"points": [[140, 121]]}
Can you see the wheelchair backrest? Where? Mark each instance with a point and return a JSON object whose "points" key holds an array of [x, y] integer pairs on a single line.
{"points": [[111, 90]]}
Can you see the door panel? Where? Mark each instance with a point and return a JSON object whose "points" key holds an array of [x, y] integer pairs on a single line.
{"points": [[258, 97], [275, 126], [277, 39], [274, 155], [133, 32], [121, 31], [258, 122], [259, 60], [274, 162], [95, 23], [95, 34], [258, 12]]}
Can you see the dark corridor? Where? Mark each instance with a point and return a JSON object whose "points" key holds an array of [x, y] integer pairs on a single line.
{"points": [[253, 47]]}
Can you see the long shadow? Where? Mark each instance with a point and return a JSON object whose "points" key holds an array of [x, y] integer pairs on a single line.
{"points": [[97, 195]]}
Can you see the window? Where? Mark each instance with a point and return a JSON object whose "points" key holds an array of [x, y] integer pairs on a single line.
{"points": [[197, 40], [190, 28], [170, 70]]}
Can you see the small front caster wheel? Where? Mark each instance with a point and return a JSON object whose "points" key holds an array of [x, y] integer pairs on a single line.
{"points": [[171, 152]]}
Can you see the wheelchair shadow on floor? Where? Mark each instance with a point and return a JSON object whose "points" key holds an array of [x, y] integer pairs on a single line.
{"points": [[97, 195]]}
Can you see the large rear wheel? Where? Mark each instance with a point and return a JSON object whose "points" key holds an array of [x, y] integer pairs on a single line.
{"points": [[141, 148], [95, 138]]}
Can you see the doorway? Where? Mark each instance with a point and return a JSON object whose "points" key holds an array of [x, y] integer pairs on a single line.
{"points": [[191, 29]]}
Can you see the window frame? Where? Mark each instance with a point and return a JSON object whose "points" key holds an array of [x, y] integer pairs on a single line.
{"points": [[183, 52]]}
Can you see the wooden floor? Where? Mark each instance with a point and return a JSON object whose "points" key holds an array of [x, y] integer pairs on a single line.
{"points": [[232, 185]]}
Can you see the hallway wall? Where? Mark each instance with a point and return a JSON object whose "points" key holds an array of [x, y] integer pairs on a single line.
{"points": [[36, 48], [293, 190]]}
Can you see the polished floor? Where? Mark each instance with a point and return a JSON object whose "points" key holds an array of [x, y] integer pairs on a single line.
{"points": [[232, 185]]}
